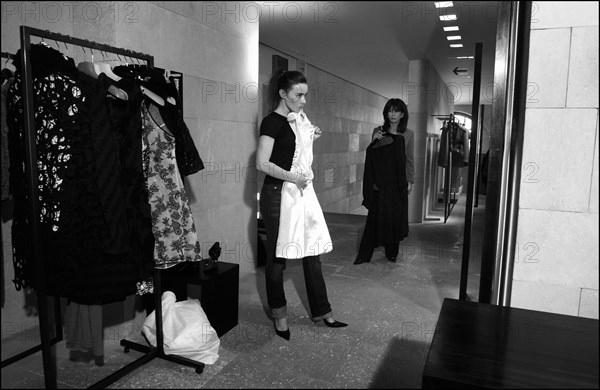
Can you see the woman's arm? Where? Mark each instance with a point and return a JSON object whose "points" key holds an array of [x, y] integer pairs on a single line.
{"points": [[409, 147], [263, 155]]}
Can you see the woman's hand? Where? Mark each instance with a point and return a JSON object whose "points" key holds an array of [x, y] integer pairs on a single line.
{"points": [[317, 132], [409, 188], [301, 182], [378, 135]]}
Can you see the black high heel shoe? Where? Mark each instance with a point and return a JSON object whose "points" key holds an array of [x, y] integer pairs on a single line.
{"points": [[360, 261], [335, 324], [282, 333]]}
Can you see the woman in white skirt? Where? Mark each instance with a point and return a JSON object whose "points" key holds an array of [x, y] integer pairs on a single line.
{"points": [[293, 218]]}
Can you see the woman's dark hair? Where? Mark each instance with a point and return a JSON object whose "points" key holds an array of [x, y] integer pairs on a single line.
{"points": [[282, 79], [397, 105]]}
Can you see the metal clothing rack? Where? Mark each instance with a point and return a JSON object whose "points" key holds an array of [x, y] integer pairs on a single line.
{"points": [[448, 202], [49, 360]]}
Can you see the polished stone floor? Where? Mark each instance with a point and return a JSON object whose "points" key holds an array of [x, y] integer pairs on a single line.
{"points": [[391, 308]]}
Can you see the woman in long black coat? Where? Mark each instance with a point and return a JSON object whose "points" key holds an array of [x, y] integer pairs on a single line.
{"points": [[386, 185]]}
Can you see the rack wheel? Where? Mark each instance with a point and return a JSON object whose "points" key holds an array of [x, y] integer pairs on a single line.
{"points": [[199, 370], [126, 349]]}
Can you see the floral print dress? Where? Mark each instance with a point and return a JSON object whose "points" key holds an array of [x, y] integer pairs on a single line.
{"points": [[173, 226]]}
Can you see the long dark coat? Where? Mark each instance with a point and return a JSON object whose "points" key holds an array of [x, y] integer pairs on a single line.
{"points": [[385, 169]]}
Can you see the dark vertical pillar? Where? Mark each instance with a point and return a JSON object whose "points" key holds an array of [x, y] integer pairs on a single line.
{"points": [[497, 133], [521, 61], [464, 271], [480, 136]]}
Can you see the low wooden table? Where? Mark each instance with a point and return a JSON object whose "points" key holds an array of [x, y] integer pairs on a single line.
{"points": [[488, 346]]}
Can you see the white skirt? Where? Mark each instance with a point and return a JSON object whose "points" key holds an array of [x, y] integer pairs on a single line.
{"points": [[302, 228]]}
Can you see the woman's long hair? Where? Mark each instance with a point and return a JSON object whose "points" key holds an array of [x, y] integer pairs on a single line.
{"points": [[397, 105], [282, 79]]}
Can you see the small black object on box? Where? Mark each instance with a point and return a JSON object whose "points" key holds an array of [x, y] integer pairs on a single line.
{"points": [[211, 263]]}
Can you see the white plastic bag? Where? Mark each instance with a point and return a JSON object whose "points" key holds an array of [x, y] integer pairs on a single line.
{"points": [[186, 330]]}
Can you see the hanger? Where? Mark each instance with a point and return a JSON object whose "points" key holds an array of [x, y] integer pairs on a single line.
{"points": [[118, 92], [103, 67], [87, 67], [95, 69], [157, 99], [148, 74]]}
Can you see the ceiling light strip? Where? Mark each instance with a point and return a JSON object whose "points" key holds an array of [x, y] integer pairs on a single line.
{"points": [[445, 18]]}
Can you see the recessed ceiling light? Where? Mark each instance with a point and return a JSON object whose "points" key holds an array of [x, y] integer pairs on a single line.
{"points": [[451, 28], [443, 4], [447, 17], [456, 45], [453, 37]]}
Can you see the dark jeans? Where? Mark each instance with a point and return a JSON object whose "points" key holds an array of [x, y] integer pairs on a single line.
{"points": [[369, 238], [270, 202]]}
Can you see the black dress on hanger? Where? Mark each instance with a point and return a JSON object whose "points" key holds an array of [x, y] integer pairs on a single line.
{"points": [[455, 138], [385, 185], [186, 153]]}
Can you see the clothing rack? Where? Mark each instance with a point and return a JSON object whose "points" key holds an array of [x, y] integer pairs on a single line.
{"points": [[49, 360], [448, 202]]}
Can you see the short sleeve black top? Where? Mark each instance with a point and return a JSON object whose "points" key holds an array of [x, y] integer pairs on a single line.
{"points": [[277, 127]]}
